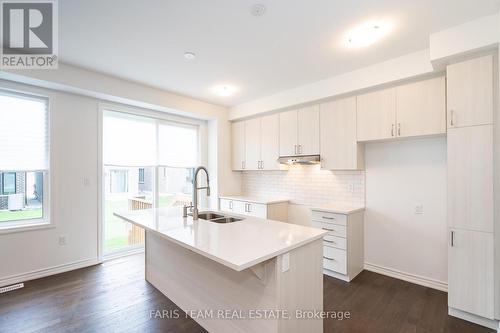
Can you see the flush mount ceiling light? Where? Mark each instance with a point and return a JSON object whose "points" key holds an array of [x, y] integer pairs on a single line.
{"points": [[367, 34], [189, 55], [258, 10], [224, 90]]}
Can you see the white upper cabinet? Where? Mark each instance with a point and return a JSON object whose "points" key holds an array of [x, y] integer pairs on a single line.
{"points": [[308, 131], [339, 148], [255, 144], [376, 115], [299, 131], [238, 145], [421, 108], [270, 143], [288, 133], [409, 110], [252, 144], [470, 178], [470, 92]]}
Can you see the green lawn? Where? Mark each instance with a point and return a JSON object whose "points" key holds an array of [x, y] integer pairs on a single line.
{"points": [[6, 215]]}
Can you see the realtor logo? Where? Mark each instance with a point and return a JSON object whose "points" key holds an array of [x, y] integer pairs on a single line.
{"points": [[29, 34]]}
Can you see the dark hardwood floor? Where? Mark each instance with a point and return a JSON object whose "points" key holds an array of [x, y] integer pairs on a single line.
{"points": [[114, 297]]}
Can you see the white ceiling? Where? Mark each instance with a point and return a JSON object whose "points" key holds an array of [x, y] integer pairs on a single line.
{"points": [[294, 43]]}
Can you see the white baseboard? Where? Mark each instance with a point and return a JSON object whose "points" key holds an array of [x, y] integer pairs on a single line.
{"points": [[40, 273], [420, 280], [493, 324]]}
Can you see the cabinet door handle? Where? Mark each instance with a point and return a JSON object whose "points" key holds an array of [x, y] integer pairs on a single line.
{"points": [[392, 130], [452, 115], [249, 208], [399, 129], [452, 238], [295, 149], [300, 149], [329, 241], [328, 217], [329, 258], [231, 205], [243, 164], [262, 164], [327, 229]]}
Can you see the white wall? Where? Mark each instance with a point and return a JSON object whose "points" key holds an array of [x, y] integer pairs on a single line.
{"points": [[74, 154], [73, 131], [463, 39], [72, 79], [496, 122], [387, 72], [400, 175]]}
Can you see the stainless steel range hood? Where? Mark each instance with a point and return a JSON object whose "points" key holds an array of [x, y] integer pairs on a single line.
{"points": [[301, 160]]}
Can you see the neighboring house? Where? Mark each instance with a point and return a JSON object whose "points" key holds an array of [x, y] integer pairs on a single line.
{"points": [[145, 180], [20, 182], [138, 181]]}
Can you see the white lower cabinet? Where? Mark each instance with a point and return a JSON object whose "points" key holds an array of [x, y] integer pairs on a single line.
{"points": [[274, 211], [343, 251], [470, 272]]}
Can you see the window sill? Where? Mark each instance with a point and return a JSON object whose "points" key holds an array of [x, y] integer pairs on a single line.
{"points": [[22, 227]]}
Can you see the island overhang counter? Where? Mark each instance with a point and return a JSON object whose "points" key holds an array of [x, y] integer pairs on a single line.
{"points": [[253, 275]]}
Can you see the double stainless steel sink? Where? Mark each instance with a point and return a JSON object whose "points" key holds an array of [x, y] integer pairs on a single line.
{"points": [[217, 218]]}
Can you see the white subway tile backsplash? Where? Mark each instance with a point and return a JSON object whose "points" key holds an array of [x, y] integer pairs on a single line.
{"points": [[308, 185]]}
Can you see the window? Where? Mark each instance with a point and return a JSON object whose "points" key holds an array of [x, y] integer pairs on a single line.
{"points": [[8, 183], [24, 166], [148, 163], [141, 175]]}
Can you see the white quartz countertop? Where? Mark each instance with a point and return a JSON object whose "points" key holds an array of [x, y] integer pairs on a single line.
{"points": [[238, 245], [255, 199], [339, 208]]}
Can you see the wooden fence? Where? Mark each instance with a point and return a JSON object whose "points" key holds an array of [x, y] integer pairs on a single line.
{"points": [[136, 234]]}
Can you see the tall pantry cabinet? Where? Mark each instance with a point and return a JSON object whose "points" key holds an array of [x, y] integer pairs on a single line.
{"points": [[470, 104]]}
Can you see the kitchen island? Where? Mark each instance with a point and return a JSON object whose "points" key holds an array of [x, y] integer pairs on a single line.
{"points": [[253, 275]]}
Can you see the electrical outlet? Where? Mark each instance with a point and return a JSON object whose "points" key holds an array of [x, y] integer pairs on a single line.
{"points": [[62, 240], [419, 209], [285, 262]]}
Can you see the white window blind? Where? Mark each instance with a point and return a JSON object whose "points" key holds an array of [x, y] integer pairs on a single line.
{"points": [[178, 146], [23, 133], [130, 140]]}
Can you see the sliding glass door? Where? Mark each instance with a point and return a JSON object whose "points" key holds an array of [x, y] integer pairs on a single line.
{"points": [[147, 163]]}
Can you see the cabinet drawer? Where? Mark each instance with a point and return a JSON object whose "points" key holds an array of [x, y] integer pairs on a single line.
{"points": [[329, 217], [226, 205], [243, 208], [334, 241], [335, 259], [256, 210], [333, 229]]}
